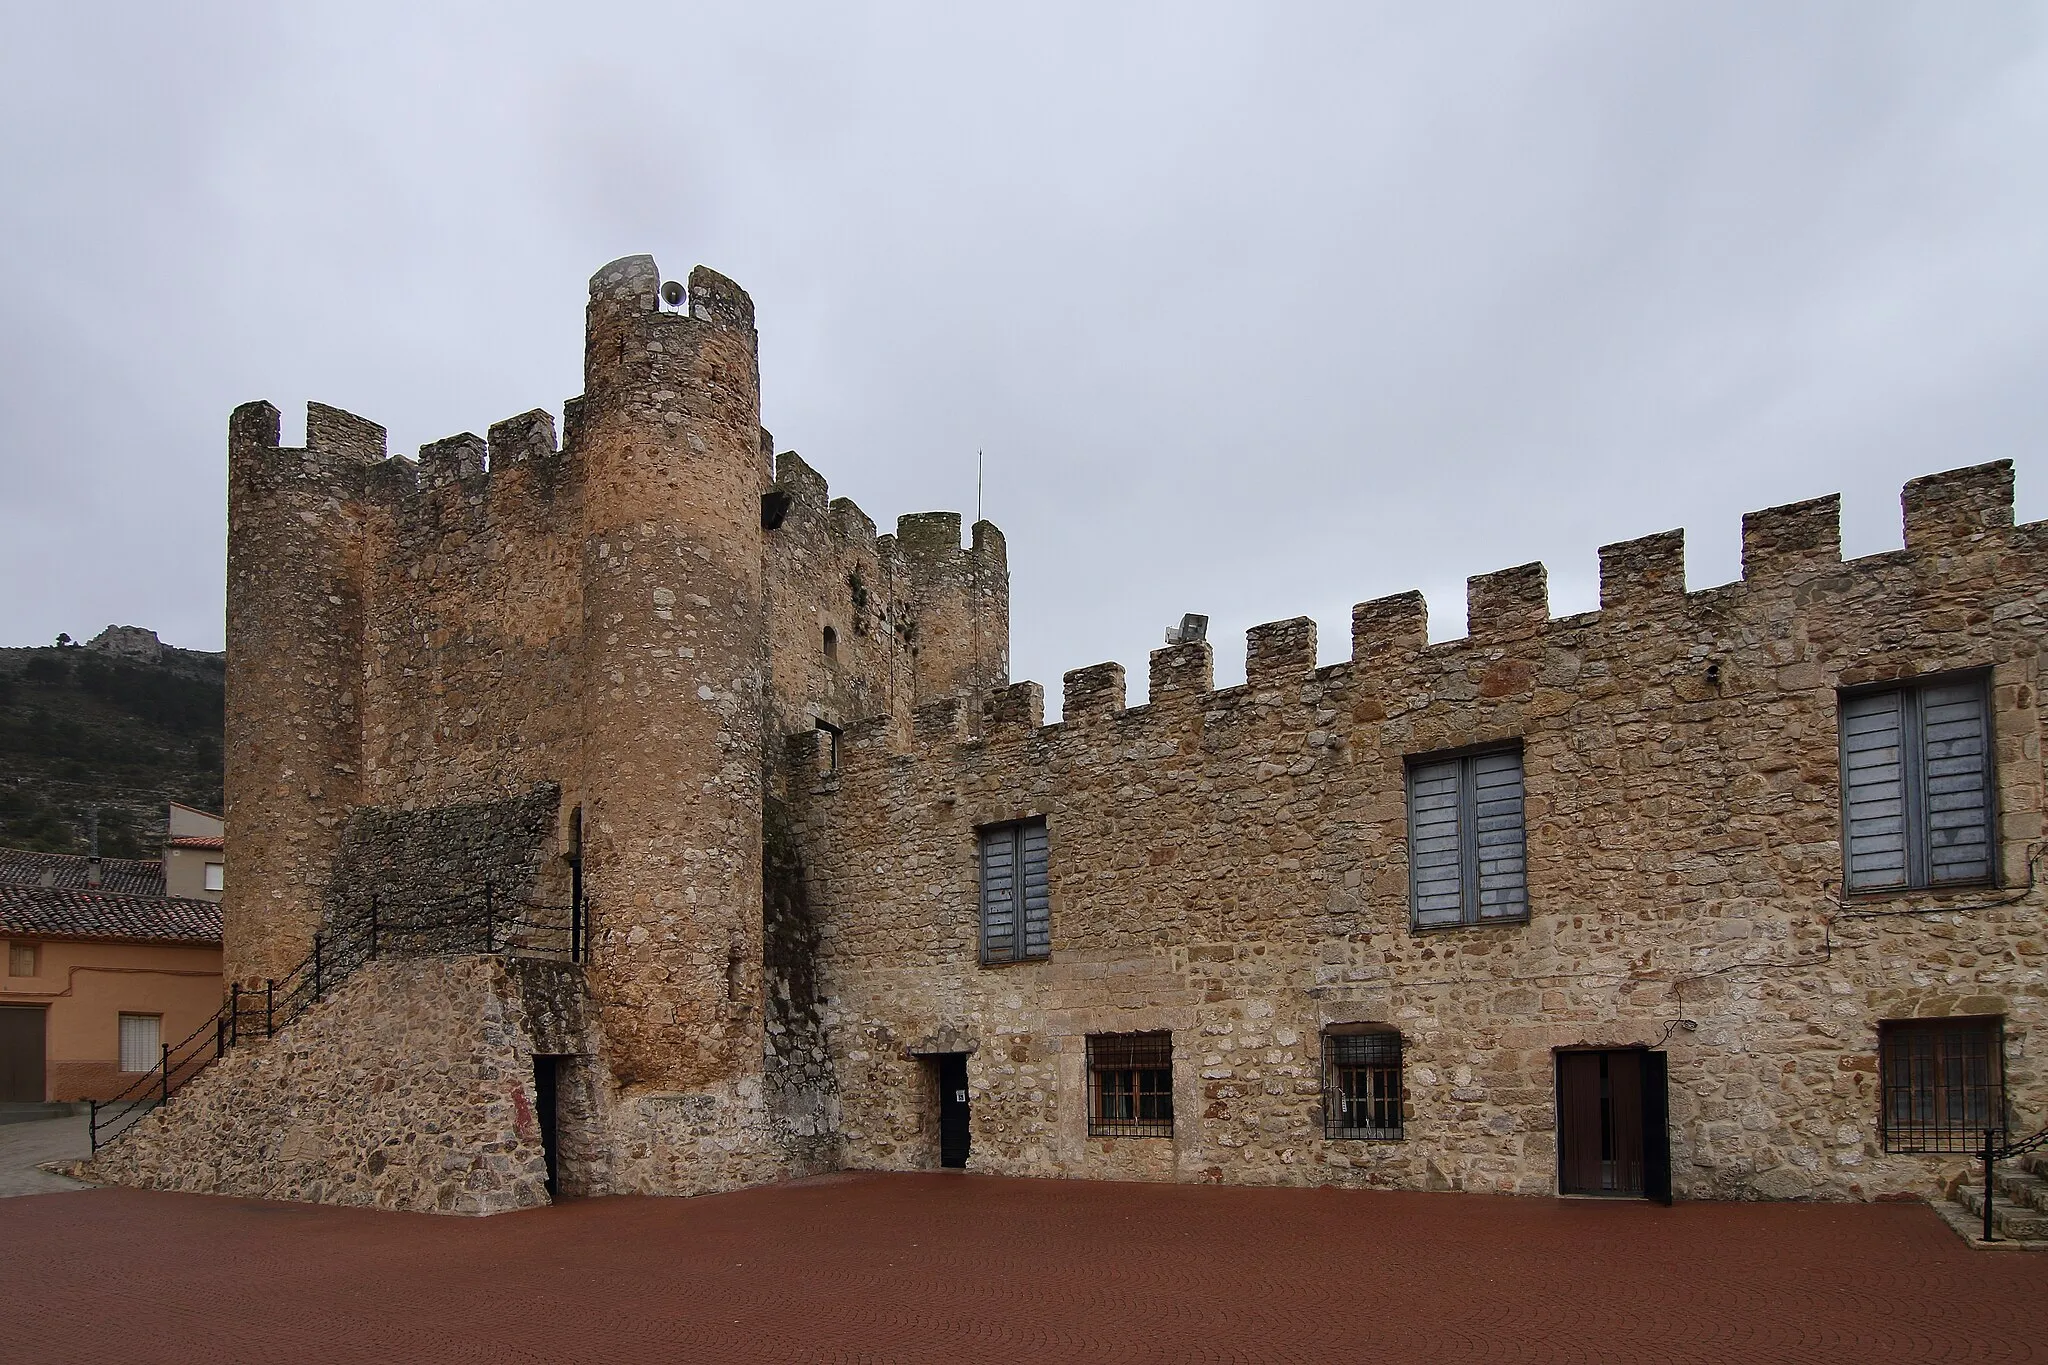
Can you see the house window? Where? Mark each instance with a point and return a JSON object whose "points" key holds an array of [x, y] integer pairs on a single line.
{"points": [[141, 1042], [1943, 1083], [1916, 786], [216, 877], [1362, 1083], [1465, 849], [1016, 896], [21, 959], [1130, 1085]]}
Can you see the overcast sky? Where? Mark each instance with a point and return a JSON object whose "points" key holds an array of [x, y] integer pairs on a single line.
{"points": [[1256, 311]]}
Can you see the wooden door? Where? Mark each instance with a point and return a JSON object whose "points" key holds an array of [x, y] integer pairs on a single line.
{"points": [[21, 1054], [1579, 1123], [1600, 1123]]}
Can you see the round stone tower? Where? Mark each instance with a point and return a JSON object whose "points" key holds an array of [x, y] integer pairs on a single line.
{"points": [[673, 470]]}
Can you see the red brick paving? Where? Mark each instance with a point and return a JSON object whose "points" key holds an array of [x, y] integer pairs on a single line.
{"points": [[950, 1267]]}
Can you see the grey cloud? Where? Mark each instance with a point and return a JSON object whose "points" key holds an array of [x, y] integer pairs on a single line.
{"points": [[1254, 312]]}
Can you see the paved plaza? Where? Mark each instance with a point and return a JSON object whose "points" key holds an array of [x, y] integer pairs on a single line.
{"points": [[946, 1267]]}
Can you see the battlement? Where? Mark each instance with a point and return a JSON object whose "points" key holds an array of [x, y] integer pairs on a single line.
{"points": [[1792, 567]]}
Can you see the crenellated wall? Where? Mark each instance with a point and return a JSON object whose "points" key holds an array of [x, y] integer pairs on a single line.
{"points": [[1230, 865], [778, 733]]}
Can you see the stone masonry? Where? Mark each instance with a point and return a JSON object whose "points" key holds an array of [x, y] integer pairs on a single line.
{"points": [[659, 663], [410, 1088]]}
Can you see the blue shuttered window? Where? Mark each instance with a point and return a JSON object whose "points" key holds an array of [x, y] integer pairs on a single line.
{"points": [[1466, 845], [1916, 786], [1016, 893]]}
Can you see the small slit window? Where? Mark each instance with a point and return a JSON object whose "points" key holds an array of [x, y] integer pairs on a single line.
{"points": [[828, 748], [831, 644]]}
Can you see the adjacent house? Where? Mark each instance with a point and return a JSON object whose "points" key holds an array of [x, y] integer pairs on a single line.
{"points": [[109, 960]]}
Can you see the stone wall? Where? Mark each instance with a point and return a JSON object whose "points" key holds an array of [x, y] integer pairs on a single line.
{"points": [[440, 860], [409, 1087], [1231, 866]]}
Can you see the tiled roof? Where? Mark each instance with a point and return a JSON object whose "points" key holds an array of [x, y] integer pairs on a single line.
{"points": [[125, 876], [63, 912], [213, 841]]}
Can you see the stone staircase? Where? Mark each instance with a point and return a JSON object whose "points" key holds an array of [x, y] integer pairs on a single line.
{"points": [[2019, 1212]]}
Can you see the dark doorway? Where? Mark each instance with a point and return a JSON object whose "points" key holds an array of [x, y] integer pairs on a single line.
{"points": [[1612, 1124], [21, 1054], [953, 1125], [546, 1075]]}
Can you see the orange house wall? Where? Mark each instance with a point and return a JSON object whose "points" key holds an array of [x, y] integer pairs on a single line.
{"points": [[87, 986]]}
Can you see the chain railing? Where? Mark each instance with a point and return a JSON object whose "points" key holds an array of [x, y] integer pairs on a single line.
{"points": [[1997, 1148], [472, 921]]}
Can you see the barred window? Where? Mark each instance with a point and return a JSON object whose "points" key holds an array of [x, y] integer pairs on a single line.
{"points": [[1943, 1083], [1130, 1085], [1016, 894], [1362, 1083], [1465, 840], [1916, 786]]}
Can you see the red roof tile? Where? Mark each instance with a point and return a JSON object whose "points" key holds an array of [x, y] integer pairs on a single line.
{"points": [[213, 841], [64, 912], [124, 876]]}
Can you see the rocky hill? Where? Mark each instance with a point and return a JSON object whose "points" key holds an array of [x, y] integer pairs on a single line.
{"points": [[123, 724]]}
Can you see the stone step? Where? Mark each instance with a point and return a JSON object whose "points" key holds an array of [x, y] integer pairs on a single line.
{"points": [[1971, 1229], [2023, 1187], [2016, 1221]]}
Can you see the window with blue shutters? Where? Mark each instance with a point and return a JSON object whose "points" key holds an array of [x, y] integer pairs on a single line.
{"points": [[1465, 840], [1016, 893], [1917, 801]]}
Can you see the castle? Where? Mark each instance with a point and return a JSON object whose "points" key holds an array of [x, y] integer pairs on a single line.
{"points": [[1718, 893]]}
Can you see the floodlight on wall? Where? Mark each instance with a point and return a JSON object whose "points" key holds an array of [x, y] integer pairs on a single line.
{"points": [[1192, 630]]}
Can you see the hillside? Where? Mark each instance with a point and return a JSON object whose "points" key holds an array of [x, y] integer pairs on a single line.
{"points": [[124, 724]]}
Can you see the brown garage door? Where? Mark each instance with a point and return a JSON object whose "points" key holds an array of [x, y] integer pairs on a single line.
{"points": [[21, 1054]]}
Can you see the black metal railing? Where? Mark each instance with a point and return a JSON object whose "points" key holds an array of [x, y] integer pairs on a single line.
{"points": [[482, 920], [1997, 1148]]}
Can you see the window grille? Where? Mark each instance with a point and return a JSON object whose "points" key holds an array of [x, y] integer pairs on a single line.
{"points": [[1465, 840], [1362, 1085], [1016, 892], [1943, 1083], [1917, 786], [21, 959], [141, 1042], [1130, 1085]]}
